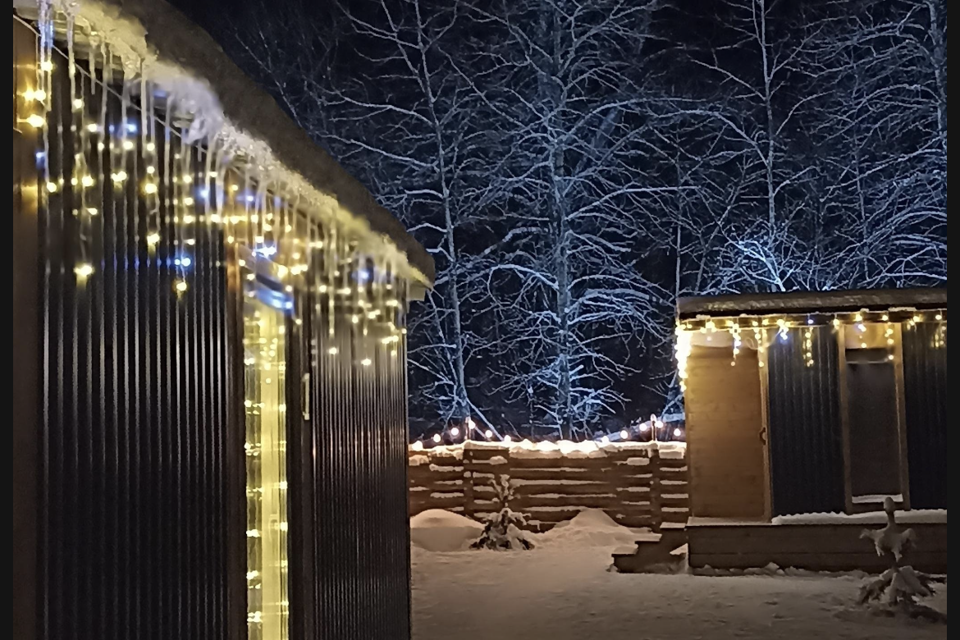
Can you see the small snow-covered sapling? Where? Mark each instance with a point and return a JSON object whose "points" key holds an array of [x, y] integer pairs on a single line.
{"points": [[898, 589], [502, 530]]}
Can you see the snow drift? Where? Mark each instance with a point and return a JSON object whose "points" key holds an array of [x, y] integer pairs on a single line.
{"points": [[441, 530]]}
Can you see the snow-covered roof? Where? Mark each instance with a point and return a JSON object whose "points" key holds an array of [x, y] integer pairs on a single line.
{"points": [[155, 39]]}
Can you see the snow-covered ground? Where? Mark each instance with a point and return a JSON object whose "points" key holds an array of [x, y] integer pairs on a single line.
{"points": [[562, 591]]}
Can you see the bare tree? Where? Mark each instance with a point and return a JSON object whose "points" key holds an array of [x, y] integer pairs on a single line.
{"points": [[580, 185]]}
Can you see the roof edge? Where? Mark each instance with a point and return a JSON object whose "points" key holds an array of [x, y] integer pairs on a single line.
{"points": [[799, 302]]}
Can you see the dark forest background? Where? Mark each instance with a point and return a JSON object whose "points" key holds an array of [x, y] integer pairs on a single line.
{"points": [[574, 167]]}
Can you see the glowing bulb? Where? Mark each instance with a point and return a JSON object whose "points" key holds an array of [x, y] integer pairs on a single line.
{"points": [[890, 357], [605, 440], [150, 188], [180, 286], [939, 317], [677, 432], [92, 211], [121, 175], [436, 438], [36, 121], [488, 434], [153, 238], [645, 427], [46, 65], [52, 187], [454, 431], [87, 181], [253, 533], [507, 438], [624, 434], [354, 318], [366, 362], [83, 270], [93, 127], [151, 146], [128, 145], [78, 104]]}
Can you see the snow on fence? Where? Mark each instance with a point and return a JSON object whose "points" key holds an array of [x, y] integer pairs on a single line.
{"points": [[637, 484]]}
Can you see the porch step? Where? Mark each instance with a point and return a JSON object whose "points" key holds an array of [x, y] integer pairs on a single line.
{"points": [[653, 553]]}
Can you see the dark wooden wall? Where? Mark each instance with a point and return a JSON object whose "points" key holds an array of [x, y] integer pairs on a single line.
{"points": [[25, 319], [925, 395], [137, 438], [806, 426], [135, 449], [359, 547]]}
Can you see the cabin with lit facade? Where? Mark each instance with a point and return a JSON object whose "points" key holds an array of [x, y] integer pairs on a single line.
{"points": [[805, 409], [209, 349]]}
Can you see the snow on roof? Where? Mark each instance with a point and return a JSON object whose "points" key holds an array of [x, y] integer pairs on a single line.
{"points": [[159, 44]]}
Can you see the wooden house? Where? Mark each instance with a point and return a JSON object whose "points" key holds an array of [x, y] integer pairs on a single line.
{"points": [[813, 403], [209, 349]]}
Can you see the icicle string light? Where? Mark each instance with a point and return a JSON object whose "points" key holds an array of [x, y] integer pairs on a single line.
{"points": [[859, 320], [193, 189]]}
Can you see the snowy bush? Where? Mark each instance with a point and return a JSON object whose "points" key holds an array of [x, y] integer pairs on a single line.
{"points": [[502, 530], [898, 589]]}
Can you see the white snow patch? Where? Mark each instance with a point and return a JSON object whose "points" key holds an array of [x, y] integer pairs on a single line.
{"points": [[589, 528], [442, 530], [444, 469], [638, 462], [876, 498], [416, 461], [562, 591], [917, 516]]}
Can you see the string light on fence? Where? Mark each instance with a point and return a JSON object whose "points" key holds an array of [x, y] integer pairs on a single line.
{"points": [[624, 434], [488, 434], [454, 431], [437, 438]]}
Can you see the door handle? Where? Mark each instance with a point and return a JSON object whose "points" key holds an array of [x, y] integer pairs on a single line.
{"points": [[305, 396]]}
